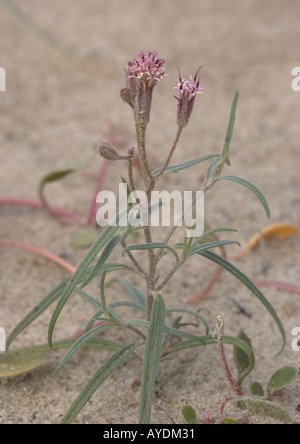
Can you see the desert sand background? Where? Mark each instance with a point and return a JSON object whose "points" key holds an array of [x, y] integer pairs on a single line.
{"points": [[64, 67]]}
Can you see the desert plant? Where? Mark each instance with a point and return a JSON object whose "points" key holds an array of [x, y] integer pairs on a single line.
{"points": [[152, 330]]}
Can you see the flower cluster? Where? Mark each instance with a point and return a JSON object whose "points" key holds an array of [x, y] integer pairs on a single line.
{"points": [[146, 70], [142, 74]]}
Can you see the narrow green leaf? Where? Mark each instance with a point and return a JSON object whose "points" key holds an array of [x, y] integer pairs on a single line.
{"points": [[96, 380], [150, 247], [210, 339], [62, 171], [151, 358], [111, 244], [211, 168], [97, 343], [103, 238], [168, 336], [81, 341], [203, 247], [171, 330], [88, 298], [201, 238], [182, 166], [102, 292], [51, 297], [251, 187], [137, 296], [37, 310], [247, 282], [127, 187], [189, 415], [282, 378], [230, 127], [256, 389]]}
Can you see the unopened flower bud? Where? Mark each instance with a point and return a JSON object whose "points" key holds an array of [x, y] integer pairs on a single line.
{"points": [[126, 95], [188, 90], [107, 151]]}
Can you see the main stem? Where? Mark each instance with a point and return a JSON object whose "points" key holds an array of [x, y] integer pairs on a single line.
{"points": [[149, 184]]}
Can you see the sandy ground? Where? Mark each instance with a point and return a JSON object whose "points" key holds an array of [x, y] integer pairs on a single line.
{"points": [[64, 67]]}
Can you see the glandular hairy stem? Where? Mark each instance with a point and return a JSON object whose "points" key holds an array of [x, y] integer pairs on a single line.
{"points": [[176, 140]]}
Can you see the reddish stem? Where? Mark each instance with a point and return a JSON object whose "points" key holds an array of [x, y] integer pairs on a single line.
{"points": [[92, 210], [220, 331], [47, 254], [35, 203], [280, 285], [223, 405]]}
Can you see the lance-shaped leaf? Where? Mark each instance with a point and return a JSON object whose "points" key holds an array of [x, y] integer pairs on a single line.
{"points": [[209, 234], [111, 244], [225, 152], [137, 296], [51, 297], [56, 174], [62, 171], [203, 247], [106, 369], [103, 238], [182, 166], [81, 341], [249, 284], [250, 186], [151, 358], [170, 330]]}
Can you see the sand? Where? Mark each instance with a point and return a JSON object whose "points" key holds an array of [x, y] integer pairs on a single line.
{"points": [[64, 69]]}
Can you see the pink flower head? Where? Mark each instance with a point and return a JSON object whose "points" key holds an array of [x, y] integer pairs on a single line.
{"points": [[147, 68], [142, 74], [188, 90]]}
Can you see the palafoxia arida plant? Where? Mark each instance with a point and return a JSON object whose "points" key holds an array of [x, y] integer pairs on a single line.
{"points": [[153, 334]]}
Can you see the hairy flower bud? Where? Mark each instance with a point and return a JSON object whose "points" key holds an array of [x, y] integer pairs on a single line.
{"points": [[126, 95], [107, 151], [188, 90]]}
